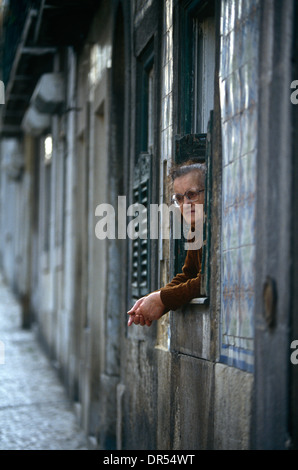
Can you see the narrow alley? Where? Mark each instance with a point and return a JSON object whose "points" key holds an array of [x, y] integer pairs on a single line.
{"points": [[35, 413]]}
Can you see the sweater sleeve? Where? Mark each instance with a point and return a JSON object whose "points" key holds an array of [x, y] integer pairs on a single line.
{"points": [[184, 286]]}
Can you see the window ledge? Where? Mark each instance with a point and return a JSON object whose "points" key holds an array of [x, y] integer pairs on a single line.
{"points": [[199, 301]]}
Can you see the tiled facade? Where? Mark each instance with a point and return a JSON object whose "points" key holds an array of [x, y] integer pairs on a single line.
{"points": [[199, 376], [238, 93], [166, 150]]}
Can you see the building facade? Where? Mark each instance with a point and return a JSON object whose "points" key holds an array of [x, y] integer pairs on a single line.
{"points": [[102, 97]]}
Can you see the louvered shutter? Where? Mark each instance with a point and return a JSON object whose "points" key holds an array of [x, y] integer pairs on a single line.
{"points": [[141, 245]]}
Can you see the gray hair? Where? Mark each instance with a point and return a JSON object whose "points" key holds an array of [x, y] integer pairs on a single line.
{"points": [[187, 167]]}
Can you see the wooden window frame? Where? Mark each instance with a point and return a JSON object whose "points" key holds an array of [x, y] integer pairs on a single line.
{"points": [[188, 144]]}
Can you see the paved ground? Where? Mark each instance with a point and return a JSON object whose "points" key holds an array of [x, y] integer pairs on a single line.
{"points": [[35, 413]]}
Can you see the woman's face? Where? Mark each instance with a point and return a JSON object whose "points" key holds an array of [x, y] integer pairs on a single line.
{"points": [[191, 181]]}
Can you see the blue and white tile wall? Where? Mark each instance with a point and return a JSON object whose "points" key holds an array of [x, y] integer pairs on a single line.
{"points": [[163, 338], [238, 95]]}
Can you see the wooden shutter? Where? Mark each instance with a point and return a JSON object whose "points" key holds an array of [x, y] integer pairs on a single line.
{"points": [[141, 245]]}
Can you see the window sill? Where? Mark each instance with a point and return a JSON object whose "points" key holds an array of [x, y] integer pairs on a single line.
{"points": [[199, 301]]}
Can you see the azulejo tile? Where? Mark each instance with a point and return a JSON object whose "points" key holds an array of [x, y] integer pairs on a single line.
{"points": [[226, 142], [233, 329], [234, 274], [245, 86], [247, 217], [249, 84], [238, 94], [229, 97], [226, 178], [236, 91], [234, 220], [244, 177], [232, 58], [230, 222], [235, 183], [249, 130], [224, 57], [222, 89], [239, 9], [226, 312], [247, 266], [230, 272], [248, 41], [228, 13], [236, 137], [246, 314], [226, 262], [239, 42], [230, 185], [225, 235]]}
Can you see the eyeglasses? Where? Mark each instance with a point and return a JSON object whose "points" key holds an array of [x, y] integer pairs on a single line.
{"points": [[192, 195]]}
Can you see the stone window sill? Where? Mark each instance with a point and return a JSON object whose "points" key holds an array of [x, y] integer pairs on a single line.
{"points": [[199, 301]]}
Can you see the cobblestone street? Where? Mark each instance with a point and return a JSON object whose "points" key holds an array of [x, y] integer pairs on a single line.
{"points": [[35, 413]]}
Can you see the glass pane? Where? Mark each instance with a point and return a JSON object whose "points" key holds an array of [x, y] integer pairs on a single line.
{"points": [[204, 67]]}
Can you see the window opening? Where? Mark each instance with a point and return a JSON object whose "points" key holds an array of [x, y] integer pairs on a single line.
{"points": [[48, 149], [196, 95], [47, 154]]}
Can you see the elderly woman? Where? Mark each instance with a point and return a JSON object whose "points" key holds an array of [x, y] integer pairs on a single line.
{"points": [[188, 182]]}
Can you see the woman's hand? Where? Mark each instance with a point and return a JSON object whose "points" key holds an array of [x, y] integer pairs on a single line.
{"points": [[146, 310]]}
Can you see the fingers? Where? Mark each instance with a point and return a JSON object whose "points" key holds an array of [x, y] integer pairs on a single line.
{"points": [[136, 316], [135, 306], [138, 319]]}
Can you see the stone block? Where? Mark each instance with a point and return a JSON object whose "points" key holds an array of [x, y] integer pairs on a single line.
{"points": [[192, 331], [192, 410], [232, 408]]}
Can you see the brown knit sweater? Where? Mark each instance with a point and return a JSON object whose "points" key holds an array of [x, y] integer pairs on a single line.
{"points": [[185, 286]]}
